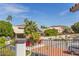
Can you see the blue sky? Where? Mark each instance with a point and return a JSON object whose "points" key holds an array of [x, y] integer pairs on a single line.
{"points": [[44, 14]]}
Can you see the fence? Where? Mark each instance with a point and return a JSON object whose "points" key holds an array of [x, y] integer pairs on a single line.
{"points": [[58, 48], [46, 48], [8, 50]]}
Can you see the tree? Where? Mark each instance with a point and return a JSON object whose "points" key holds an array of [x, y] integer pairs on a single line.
{"points": [[30, 27], [9, 18], [75, 27], [31, 31], [51, 32], [6, 29]]}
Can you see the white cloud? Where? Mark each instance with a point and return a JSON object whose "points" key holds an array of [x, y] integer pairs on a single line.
{"points": [[16, 10], [21, 16], [12, 8]]}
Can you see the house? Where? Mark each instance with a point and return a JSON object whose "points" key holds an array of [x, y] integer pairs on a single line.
{"points": [[19, 31], [59, 28], [20, 40]]}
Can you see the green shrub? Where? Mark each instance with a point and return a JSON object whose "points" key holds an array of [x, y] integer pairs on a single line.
{"points": [[6, 29], [2, 41], [51, 32], [13, 42]]}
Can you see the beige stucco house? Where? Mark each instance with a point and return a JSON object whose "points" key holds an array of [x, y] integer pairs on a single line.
{"points": [[59, 28], [18, 31]]}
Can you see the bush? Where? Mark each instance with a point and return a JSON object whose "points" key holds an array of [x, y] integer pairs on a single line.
{"points": [[6, 29], [2, 41], [13, 42], [51, 32]]}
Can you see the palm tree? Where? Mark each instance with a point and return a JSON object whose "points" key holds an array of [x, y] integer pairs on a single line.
{"points": [[30, 27], [9, 18], [31, 31]]}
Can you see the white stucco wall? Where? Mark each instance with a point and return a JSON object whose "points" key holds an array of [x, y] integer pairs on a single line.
{"points": [[20, 49]]}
